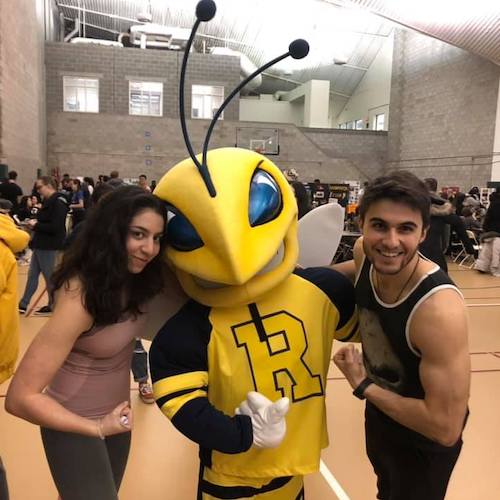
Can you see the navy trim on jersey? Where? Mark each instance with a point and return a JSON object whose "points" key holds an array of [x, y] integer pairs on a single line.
{"points": [[161, 401], [236, 492], [336, 286]]}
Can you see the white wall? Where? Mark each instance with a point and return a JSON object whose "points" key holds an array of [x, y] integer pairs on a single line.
{"points": [[372, 95], [267, 109]]}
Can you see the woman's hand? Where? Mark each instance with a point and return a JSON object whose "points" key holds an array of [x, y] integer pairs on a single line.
{"points": [[117, 421]]}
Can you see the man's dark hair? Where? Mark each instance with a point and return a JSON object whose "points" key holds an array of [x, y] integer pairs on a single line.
{"points": [[98, 257], [114, 174], [47, 180], [466, 212], [400, 187], [143, 175], [431, 183], [12, 175]]}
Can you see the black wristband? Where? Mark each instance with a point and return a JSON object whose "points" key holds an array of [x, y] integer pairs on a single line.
{"points": [[359, 392]]}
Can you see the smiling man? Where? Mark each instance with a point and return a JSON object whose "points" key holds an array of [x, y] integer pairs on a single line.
{"points": [[415, 369]]}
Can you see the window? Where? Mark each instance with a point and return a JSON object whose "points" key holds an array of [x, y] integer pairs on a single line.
{"points": [[350, 125], [378, 122], [206, 100], [342, 125], [81, 94], [358, 124], [145, 98]]}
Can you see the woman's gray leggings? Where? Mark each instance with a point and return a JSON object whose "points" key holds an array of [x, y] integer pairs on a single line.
{"points": [[85, 467]]}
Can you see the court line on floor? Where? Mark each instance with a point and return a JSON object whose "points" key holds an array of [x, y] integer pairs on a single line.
{"points": [[332, 482], [483, 305]]}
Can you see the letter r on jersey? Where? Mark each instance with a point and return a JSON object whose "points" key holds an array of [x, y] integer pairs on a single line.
{"points": [[277, 362]]}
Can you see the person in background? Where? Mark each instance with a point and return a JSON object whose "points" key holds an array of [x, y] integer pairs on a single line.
{"points": [[302, 197], [437, 236], [143, 183], [114, 179], [104, 288], [24, 209], [471, 223], [12, 241], [472, 198], [66, 189], [152, 185], [77, 204], [489, 256], [89, 183], [49, 231], [10, 190]]}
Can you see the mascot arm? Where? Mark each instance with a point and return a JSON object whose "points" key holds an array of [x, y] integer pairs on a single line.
{"points": [[349, 332], [340, 291], [179, 371]]}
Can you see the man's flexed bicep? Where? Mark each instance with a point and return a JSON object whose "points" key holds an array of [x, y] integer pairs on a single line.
{"points": [[439, 332]]}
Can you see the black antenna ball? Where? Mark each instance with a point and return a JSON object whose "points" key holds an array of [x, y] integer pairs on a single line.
{"points": [[298, 48], [205, 10]]}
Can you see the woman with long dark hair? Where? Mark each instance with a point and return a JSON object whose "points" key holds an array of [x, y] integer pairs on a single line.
{"points": [[74, 379]]}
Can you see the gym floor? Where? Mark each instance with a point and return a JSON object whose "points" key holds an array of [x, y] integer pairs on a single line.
{"points": [[164, 465]]}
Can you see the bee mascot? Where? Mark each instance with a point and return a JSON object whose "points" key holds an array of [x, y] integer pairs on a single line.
{"points": [[241, 368]]}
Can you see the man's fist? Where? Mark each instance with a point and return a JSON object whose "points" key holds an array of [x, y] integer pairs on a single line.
{"points": [[268, 419]]}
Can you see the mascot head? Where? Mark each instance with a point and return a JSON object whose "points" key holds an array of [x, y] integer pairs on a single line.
{"points": [[232, 224]]}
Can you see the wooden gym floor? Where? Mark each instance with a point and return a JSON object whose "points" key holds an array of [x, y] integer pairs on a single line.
{"points": [[163, 464]]}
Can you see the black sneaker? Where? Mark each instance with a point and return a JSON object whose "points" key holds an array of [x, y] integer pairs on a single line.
{"points": [[43, 311], [22, 309]]}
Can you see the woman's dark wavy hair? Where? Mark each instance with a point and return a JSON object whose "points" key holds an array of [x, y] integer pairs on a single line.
{"points": [[401, 187], [98, 257]]}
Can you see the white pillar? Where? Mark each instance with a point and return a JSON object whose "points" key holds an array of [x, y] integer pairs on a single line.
{"points": [[316, 103]]}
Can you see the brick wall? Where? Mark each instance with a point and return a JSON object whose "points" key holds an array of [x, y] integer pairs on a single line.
{"points": [[93, 144], [365, 149], [115, 66], [443, 107], [22, 112]]}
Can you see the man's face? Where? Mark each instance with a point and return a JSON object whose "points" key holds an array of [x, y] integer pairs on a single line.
{"points": [[392, 232], [43, 190]]}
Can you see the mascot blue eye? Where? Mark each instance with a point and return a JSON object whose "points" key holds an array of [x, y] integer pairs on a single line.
{"points": [[265, 199], [180, 232]]}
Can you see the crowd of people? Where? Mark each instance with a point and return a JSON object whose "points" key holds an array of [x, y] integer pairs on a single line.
{"points": [[413, 372]]}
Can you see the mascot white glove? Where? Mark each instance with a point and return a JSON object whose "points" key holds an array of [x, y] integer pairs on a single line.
{"points": [[268, 419]]}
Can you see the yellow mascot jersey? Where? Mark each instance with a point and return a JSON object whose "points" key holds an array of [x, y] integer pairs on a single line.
{"points": [[205, 360]]}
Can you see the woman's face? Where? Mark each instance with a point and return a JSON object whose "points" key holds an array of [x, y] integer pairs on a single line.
{"points": [[74, 186], [143, 239]]}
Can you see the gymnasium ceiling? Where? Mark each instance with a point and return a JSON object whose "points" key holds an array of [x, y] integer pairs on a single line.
{"points": [[339, 31]]}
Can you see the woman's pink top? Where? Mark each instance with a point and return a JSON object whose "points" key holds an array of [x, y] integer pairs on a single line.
{"points": [[95, 377]]}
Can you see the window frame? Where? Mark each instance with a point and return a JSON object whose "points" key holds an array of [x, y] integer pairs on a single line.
{"points": [[136, 81], [67, 85], [212, 95]]}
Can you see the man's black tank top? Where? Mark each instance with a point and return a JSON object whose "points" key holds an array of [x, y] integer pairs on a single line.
{"points": [[390, 359]]}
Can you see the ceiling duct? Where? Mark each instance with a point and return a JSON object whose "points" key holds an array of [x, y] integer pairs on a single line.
{"points": [[97, 41], [158, 36], [247, 67]]}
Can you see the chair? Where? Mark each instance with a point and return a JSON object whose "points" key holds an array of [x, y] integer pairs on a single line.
{"points": [[477, 247]]}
